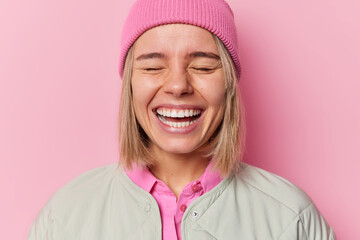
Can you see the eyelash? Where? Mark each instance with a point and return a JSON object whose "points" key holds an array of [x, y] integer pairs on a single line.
{"points": [[198, 69], [152, 69], [203, 69]]}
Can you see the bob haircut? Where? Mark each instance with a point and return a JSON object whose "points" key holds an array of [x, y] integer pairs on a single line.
{"points": [[226, 145]]}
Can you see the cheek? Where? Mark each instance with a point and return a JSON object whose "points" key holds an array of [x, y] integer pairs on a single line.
{"points": [[143, 92], [213, 90]]}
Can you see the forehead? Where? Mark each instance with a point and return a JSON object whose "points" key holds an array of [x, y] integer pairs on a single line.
{"points": [[175, 38]]}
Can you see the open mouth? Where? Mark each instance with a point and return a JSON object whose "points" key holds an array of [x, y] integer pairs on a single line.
{"points": [[178, 118]]}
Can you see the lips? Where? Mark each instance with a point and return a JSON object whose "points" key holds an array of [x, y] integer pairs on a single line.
{"points": [[178, 117]]}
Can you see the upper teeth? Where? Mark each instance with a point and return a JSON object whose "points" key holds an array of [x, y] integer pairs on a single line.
{"points": [[178, 113]]}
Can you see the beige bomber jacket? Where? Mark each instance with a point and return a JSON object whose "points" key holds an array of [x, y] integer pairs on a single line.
{"points": [[104, 204]]}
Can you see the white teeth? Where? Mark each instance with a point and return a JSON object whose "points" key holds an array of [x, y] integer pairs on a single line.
{"points": [[178, 114], [176, 124], [162, 113], [181, 114]]}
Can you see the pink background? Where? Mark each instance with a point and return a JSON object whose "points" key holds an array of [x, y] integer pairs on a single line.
{"points": [[59, 93]]}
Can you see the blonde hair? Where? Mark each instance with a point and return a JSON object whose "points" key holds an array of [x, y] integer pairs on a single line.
{"points": [[226, 146]]}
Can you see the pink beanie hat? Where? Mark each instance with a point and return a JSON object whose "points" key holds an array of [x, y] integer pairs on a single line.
{"points": [[213, 15]]}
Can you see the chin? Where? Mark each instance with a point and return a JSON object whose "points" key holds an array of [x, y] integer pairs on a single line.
{"points": [[177, 147]]}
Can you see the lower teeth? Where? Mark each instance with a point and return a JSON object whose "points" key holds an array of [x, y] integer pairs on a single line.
{"points": [[175, 124]]}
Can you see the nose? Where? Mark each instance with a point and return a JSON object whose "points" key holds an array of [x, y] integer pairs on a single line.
{"points": [[178, 83]]}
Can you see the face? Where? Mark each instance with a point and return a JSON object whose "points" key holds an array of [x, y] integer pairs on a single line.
{"points": [[178, 87]]}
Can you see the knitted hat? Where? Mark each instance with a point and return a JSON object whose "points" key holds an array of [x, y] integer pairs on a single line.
{"points": [[215, 16]]}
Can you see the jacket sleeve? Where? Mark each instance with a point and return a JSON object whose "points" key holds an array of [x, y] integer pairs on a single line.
{"points": [[309, 225], [47, 227]]}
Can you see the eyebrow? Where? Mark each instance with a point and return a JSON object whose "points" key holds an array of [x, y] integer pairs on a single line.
{"points": [[150, 56], [204, 54], [196, 54]]}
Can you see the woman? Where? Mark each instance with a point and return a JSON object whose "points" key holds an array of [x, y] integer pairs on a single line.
{"points": [[181, 138]]}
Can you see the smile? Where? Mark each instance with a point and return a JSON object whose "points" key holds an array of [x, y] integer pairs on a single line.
{"points": [[178, 118]]}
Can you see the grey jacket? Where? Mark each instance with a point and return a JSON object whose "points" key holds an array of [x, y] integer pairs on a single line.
{"points": [[104, 204]]}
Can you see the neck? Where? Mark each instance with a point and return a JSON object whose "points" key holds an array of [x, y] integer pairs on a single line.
{"points": [[177, 170]]}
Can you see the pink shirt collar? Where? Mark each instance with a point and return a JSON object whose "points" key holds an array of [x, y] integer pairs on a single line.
{"points": [[142, 177]]}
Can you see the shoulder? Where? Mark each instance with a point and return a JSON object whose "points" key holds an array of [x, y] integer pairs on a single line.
{"points": [[101, 203], [275, 189], [93, 177], [89, 188], [83, 197], [262, 205]]}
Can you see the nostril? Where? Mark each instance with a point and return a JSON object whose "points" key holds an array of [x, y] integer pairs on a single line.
{"points": [[178, 84], [179, 89], [179, 94]]}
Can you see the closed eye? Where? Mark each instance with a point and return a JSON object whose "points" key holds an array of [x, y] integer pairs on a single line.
{"points": [[152, 69], [203, 69]]}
